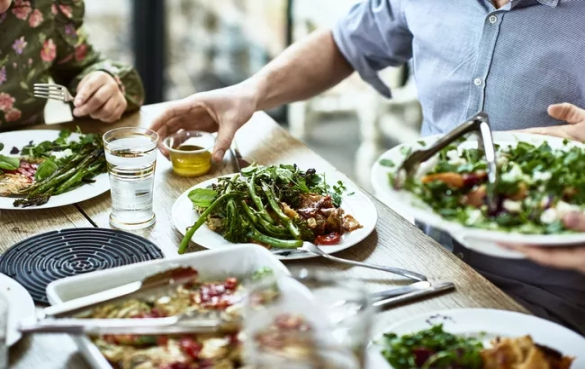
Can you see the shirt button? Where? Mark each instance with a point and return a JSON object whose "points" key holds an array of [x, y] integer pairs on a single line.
{"points": [[477, 81], [493, 19]]}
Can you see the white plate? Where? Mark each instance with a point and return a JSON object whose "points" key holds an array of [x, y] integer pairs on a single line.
{"points": [[471, 322], [21, 306], [240, 261], [20, 139], [481, 240], [358, 205]]}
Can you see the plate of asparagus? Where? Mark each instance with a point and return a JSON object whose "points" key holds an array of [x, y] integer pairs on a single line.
{"points": [[280, 207], [42, 169]]}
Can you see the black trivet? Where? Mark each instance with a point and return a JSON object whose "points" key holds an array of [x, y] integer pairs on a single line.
{"points": [[39, 260]]}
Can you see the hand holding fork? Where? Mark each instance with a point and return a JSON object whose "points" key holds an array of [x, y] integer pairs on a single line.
{"points": [[98, 95]]}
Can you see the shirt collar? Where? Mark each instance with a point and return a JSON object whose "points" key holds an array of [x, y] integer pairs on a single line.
{"points": [[551, 3]]}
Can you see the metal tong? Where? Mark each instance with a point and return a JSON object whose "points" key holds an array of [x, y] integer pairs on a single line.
{"points": [[478, 124]]}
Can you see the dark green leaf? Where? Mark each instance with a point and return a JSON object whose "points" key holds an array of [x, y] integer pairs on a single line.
{"points": [[1, 146]]}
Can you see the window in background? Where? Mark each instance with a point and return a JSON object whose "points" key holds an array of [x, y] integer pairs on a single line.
{"points": [[216, 43], [109, 25]]}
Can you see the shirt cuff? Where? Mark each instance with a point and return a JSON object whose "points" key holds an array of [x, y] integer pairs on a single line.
{"points": [[359, 63]]}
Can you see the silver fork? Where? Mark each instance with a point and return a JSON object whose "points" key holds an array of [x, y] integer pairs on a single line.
{"points": [[478, 124], [52, 91], [312, 249]]}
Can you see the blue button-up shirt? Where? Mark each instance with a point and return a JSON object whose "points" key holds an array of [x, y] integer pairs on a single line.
{"points": [[469, 56]]}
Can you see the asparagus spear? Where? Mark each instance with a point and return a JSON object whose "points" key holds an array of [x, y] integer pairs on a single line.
{"points": [[278, 211], [257, 200], [78, 177]]}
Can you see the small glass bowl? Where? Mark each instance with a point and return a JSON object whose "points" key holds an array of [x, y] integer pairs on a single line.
{"points": [[190, 152]]}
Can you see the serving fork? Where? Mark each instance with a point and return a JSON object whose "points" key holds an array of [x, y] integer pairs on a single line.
{"points": [[316, 250], [478, 124], [53, 91]]}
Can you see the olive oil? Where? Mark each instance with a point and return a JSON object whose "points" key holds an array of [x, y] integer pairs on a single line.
{"points": [[191, 160]]}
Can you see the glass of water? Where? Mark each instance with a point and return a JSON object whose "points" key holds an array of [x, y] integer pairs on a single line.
{"points": [[131, 156], [309, 320]]}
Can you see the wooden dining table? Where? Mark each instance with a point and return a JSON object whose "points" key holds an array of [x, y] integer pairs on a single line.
{"points": [[395, 242]]}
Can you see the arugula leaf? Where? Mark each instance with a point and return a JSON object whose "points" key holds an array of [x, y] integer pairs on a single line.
{"points": [[405, 150], [387, 163], [202, 197], [422, 143], [45, 170], [1, 146], [9, 163]]}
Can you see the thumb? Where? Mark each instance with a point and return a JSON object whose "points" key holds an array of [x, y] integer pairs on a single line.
{"points": [[567, 112], [575, 221], [225, 137]]}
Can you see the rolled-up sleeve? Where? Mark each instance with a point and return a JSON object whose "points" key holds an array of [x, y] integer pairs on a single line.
{"points": [[374, 36]]}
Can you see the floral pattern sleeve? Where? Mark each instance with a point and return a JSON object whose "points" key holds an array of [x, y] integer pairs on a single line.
{"points": [[76, 57]]}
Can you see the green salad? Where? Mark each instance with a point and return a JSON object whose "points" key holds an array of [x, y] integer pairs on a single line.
{"points": [[432, 348], [537, 187]]}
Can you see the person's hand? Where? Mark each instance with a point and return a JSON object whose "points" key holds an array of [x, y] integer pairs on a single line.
{"points": [[223, 111], [569, 113], [4, 5], [572, 258], [100, 97]]}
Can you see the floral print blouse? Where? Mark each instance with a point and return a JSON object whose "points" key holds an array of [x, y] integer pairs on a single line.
{"points": [[45, 38]]}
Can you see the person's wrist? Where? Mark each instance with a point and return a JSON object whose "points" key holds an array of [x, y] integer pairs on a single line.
{"points": [[253, 92]]}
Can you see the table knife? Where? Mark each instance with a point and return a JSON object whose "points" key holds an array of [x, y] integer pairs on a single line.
{"points": [[418, 286], [433, 290], [238, 161]]}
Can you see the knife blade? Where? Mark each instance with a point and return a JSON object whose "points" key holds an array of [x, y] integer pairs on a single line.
{"points": [[238, 161], [433, 290], [418, 286]]}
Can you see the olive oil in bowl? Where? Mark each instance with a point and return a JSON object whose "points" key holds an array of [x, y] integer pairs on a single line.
{"points": [[190, 152]]}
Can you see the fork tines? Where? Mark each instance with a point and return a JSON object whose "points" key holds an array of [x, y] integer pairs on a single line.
{"points": [[51, 91]]}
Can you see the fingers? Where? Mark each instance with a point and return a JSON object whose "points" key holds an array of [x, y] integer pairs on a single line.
{"points": [[556, 131], [575, 221], [88, 86], [567, 112], [225, 136], [111, 111], [572, 258], [175, 110], [97, 101]]}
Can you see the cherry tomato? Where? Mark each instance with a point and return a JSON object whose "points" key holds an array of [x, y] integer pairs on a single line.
{"points": [[190, 347], [332, 238]]}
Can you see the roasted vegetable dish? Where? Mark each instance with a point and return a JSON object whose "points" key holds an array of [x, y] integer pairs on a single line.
{"points": [[38, 171], [276, 206], [537, 186], [210, 351], [436, 349]]}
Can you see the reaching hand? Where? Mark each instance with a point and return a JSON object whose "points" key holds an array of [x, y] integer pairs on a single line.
{"points": [[223, 111], [100, 97], [569, 113], [572, 258]]}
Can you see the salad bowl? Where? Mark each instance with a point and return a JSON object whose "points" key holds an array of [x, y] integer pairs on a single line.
{"points": [[544, 158]]}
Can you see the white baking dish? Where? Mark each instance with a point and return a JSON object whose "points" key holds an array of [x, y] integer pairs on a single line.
{"points": [[239, 261]]}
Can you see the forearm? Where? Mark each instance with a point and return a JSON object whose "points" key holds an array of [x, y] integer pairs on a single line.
{"points": [[304, 70]]}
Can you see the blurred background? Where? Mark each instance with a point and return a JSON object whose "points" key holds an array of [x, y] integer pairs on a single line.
{"points": [[181, 47]]}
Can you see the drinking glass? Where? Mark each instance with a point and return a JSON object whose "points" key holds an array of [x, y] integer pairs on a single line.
{"points": [[131, 156], [309, 320], [3, 332]]}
